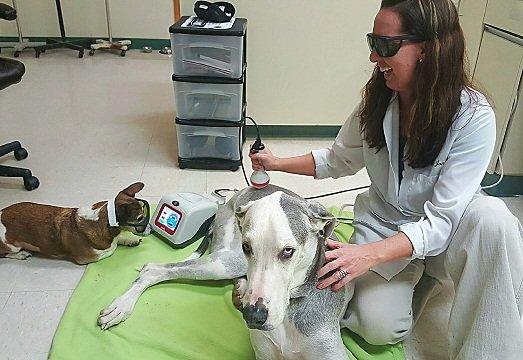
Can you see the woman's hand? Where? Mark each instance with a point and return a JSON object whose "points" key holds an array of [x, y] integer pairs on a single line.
{"points": [[264, 160], [348, 261], [345, 262]]}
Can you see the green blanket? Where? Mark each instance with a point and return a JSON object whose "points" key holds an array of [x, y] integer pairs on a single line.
{"points": [[172, 320]]}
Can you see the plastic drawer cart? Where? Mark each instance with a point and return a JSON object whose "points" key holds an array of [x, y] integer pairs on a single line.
{"points": [[209, 82]]}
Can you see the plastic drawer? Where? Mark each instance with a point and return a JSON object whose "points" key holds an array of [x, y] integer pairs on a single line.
{"points": [[208, 142], [208, 101], [207, 55]]}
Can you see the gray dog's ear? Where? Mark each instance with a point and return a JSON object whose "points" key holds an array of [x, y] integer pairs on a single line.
{"points": [[322, 221], [240, 213]]}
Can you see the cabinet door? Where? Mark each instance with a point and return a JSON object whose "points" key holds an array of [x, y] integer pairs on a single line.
{"points": [[471, 14], [498, 71], [506, 15], [512, 149]]}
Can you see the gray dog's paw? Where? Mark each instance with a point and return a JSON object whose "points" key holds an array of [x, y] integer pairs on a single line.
{"points": [[118, 311], [240, 286]]}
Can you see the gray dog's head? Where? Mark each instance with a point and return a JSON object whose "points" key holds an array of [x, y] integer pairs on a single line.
{"points": [[280, 235]]}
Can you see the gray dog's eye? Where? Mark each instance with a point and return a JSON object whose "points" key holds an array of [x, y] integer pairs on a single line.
{"points": [[246, 249], [287, 252]]}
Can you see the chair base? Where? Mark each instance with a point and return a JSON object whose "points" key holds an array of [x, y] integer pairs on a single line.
{"points": [[30, 181], [59, 44], [19, 46]]}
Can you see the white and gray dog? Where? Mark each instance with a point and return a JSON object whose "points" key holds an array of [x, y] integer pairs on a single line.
{"points": [[271, 242]]}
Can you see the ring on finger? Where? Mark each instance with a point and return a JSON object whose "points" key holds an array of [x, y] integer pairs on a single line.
{"points": [[341, 274]]}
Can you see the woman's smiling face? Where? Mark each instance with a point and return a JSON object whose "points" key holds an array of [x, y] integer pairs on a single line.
{"points": [[399, 70]]}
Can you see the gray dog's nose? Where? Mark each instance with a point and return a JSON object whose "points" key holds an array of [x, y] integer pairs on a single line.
{"points": [[255, 315]]}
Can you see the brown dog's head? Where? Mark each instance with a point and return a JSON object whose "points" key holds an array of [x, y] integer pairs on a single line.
{"points": [[129, 210]]}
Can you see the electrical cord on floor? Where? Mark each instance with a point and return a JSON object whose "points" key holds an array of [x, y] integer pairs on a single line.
{"points": [[337, 192], [344, 219], [500, 176], [222, 198]]}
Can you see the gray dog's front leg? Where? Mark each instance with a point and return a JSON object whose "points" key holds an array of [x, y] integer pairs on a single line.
{"points": [[325, 344], [219, 265]]}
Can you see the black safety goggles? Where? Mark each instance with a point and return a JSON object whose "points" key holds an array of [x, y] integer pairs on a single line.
{"points": [[141, 225], [387, 46]]}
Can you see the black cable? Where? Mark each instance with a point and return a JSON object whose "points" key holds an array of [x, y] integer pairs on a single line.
{"points": [[337, 192], [307, 198], [256, 125], [240, 143]]}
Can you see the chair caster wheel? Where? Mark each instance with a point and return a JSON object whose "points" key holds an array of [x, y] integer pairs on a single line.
{"points": [[20, 154], [31, 183], [91, 52], [81, 54], [37, 53], [16, 54], [122, 53]]}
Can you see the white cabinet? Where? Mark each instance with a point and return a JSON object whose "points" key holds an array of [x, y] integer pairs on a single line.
{"points": [[506, 15], [498, 72], [471, 14], [512, 149]]}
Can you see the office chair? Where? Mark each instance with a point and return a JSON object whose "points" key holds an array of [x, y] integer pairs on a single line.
{"points": [[11, 72]]}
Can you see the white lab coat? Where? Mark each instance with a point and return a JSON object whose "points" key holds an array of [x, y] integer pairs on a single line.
{"points": [[430, 202]]}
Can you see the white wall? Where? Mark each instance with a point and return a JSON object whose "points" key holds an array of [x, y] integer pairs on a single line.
{"points": [[130, 18], [307, 59]]}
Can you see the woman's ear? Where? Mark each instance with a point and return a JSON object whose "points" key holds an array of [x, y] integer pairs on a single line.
{"points": [[421, 51]]}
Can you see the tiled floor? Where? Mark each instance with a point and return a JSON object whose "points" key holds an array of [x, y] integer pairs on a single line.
{"points": [[94, 125]]}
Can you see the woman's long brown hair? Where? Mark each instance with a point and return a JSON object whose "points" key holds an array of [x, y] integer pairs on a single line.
{"points": [[440, 79]]}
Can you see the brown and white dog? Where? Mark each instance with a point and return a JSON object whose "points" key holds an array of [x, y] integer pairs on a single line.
{"points": [[82, 235]]}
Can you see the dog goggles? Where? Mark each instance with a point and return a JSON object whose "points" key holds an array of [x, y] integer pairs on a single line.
{"points": [[387, 46], [140, 226]]}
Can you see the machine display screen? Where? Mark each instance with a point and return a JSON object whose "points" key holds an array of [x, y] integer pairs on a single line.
{"points": [[168, 219]]}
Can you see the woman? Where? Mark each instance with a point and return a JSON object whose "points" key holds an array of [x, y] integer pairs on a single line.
{"points": [[426, 138]]}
